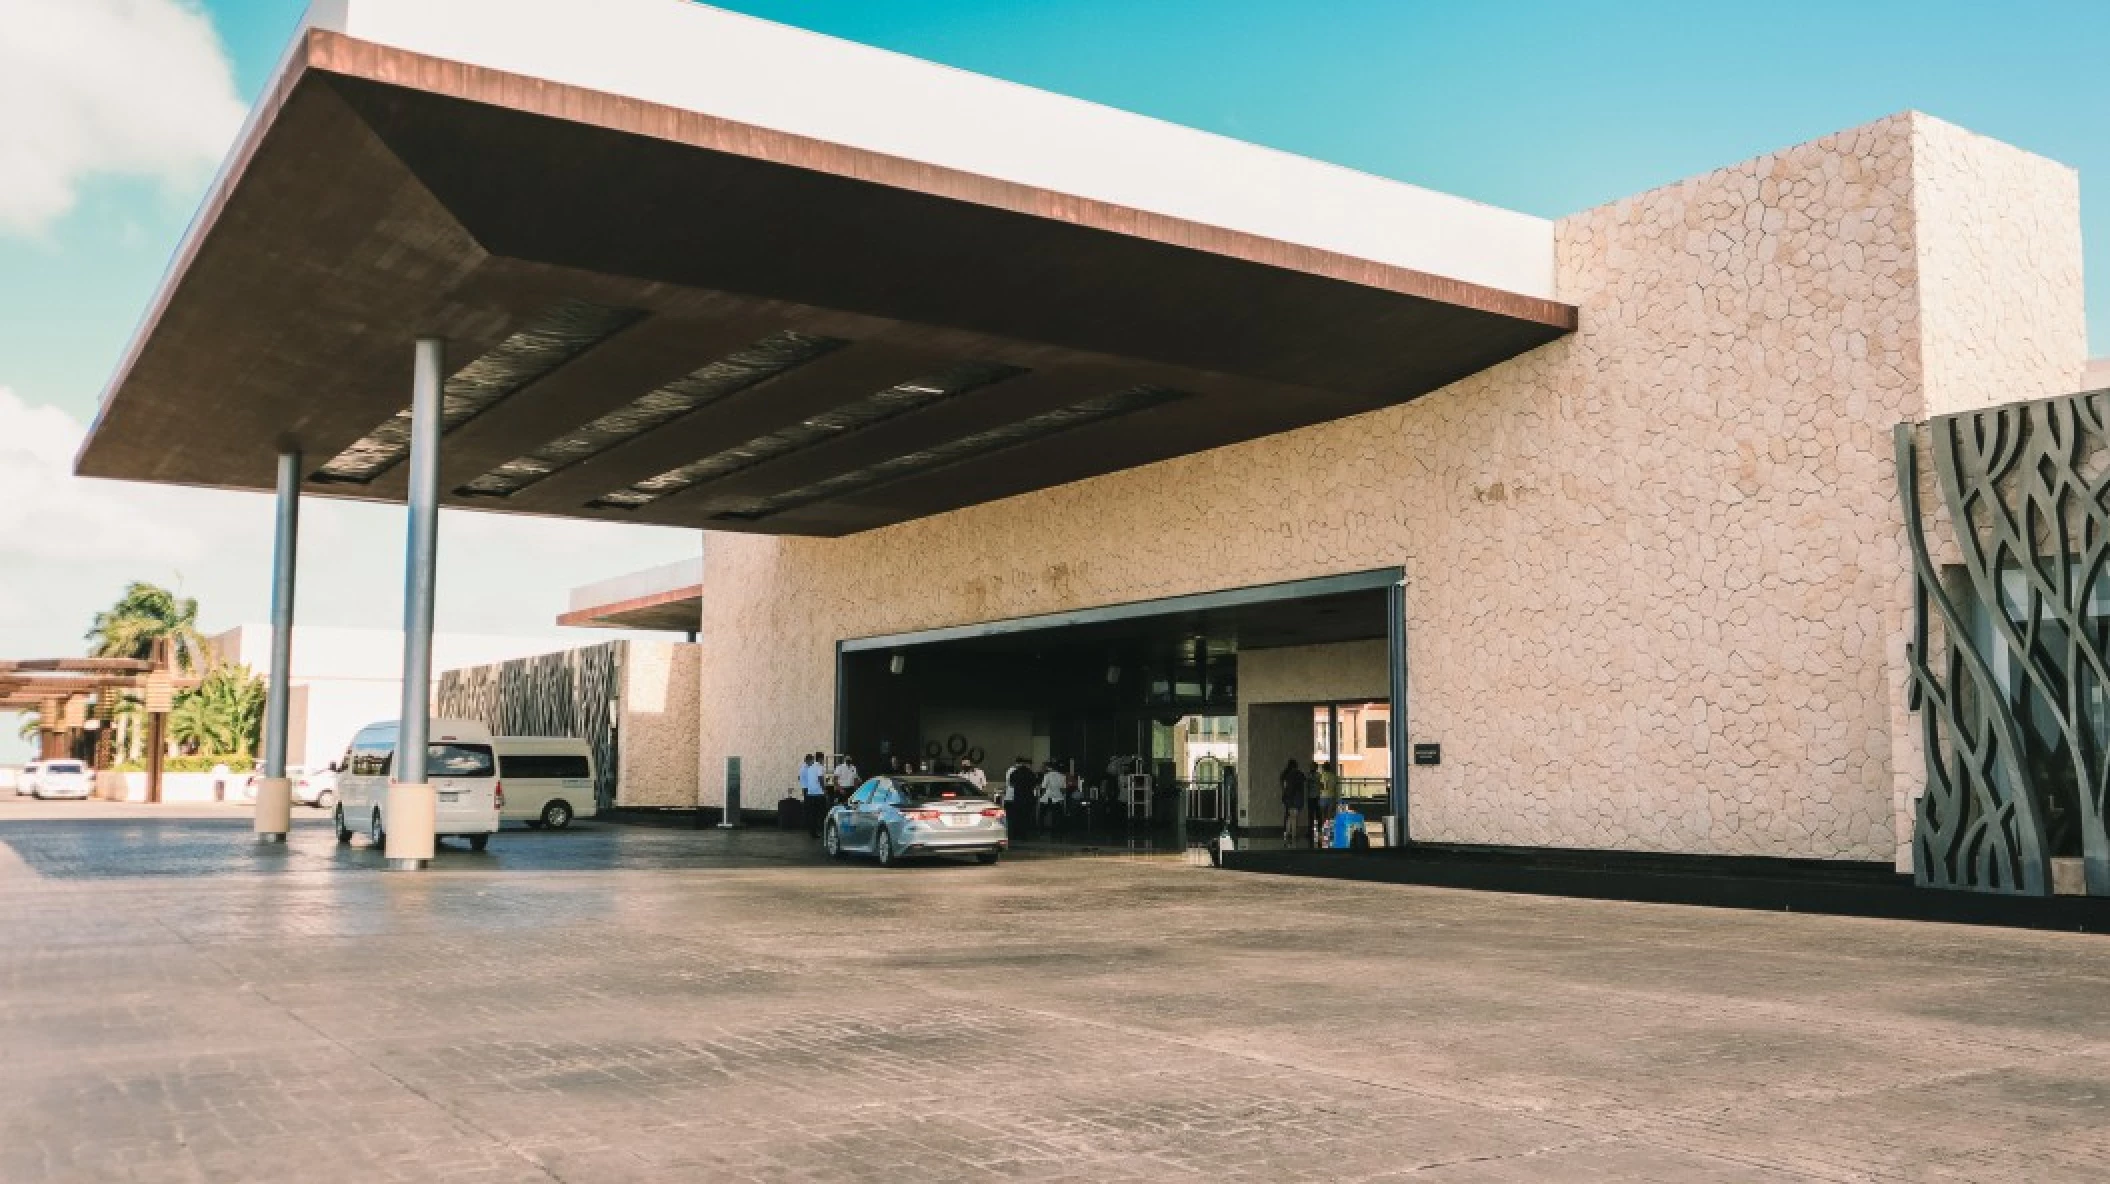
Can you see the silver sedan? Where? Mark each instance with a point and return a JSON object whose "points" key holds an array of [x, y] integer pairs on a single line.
{"points": [[894, 818]]}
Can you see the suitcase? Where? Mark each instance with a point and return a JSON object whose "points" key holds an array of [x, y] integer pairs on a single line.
{"points": [[791, 814]]}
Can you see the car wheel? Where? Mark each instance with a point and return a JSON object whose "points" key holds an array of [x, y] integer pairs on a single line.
{"points": [[376, 834], [832, 841], [479, 842], [988, 857], [344, 833], [883, 848], [326, 799], [556, 815]]}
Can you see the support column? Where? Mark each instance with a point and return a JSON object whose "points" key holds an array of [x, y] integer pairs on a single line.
{"points": [[409, 815], [274, 793], [1402, 756]]}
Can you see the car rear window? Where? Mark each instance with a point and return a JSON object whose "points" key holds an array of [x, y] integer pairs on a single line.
{"points": [[458, 760], [918, 792], [64, 767]]}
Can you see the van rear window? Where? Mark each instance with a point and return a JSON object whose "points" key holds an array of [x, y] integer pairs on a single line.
{"points": [[552, 766], [458, 760]]}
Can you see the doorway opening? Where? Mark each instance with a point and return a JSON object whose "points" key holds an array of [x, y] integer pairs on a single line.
{"points": [[1145, 711]]}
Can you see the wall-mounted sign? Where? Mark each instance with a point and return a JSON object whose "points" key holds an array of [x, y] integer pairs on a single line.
{"points": [[1428, 754]]}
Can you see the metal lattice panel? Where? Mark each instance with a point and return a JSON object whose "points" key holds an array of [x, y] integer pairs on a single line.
{"points": [[2009, 662], [563, 694]]}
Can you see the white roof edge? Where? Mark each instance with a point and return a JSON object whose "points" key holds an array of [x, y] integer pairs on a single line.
{"points": [[692, 57]]}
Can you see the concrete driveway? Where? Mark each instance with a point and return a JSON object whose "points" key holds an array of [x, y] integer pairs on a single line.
{"points": [[624, 1004]]}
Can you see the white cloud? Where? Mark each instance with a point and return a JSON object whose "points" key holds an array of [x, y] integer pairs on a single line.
{"points": [[106, 87], [69, 545]]}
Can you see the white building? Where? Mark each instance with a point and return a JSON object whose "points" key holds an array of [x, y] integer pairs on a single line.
{"points": [[344, 679]]}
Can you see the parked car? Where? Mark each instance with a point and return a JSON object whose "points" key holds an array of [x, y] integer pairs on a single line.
{"points": [[459, 765], [892, 818], [63, 779], [548, 779], [26, 784], [314, 787], [11, 779]]}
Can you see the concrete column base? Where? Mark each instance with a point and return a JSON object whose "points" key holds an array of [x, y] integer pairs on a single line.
{"points": [[274, 808], [410, 818]]}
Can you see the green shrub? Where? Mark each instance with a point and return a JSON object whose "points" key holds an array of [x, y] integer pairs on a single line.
{"points": [[194, 764]]}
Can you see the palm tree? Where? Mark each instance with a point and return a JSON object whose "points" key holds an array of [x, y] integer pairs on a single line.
{"points": [[223, 715], [146, 616]]}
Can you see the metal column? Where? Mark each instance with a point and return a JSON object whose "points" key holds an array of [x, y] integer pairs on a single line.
{"points": [[274, 794], [1402, 757], [409, 816]]}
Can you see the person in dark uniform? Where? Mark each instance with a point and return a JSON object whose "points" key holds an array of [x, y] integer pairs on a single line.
{"points": [[1019, 784]]}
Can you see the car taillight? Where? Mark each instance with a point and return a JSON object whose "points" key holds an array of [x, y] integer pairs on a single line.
{"points": [[498, 796], [992, 813], [920, 815]]}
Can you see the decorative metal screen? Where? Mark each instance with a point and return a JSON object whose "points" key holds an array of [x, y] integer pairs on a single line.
{"points": [[565, 694], [2009, 660]]}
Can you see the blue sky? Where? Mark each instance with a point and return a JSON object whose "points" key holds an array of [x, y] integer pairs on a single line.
{"points": [[1542, 107], [1545, 107]]}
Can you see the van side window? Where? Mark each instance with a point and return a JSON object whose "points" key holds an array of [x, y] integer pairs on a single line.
{"points": [[528, 766]]}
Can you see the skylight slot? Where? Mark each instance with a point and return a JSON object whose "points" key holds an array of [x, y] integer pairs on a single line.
{"points": [[979, 444], [549, 341], [736, 372], [899, 399]]}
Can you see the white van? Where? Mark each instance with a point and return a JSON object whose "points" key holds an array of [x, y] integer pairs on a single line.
{"points": [[549, 779], [459, 764]]}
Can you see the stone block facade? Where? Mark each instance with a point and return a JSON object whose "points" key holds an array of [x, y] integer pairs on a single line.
{"points": [[1656, 582]]}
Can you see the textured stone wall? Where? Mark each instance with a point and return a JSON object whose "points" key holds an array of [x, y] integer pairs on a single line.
{"points": [[656, 749], [1655, 570], [1999, 250]]}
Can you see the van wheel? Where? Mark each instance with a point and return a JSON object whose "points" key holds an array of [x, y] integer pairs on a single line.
{"points": [[556, 815], [375, 833], [344, 833], [479, 842]]}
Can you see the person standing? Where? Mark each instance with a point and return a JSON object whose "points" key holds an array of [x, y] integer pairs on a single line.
{"points": [[815, 792], [1053, 784], [1019, 783], [1329, 779], [845, 778], [974, 775], [1294, 785]]}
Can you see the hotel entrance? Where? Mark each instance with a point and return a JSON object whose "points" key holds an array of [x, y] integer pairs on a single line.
{"points": [[1147, 712]]}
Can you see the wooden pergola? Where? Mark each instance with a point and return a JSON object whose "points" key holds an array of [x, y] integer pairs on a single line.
{"points": [[73, 700]]}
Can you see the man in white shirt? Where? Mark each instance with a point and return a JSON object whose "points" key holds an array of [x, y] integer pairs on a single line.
{"points": [[816, 794], [845, 777], [974, 776], [1054, 784]]}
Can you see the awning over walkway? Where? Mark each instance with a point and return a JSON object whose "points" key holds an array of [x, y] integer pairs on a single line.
{"points": [[772, 319]]}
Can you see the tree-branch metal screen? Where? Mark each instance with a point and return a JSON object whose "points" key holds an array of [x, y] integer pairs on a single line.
{"points": [[2009, 660], [564, 694]]}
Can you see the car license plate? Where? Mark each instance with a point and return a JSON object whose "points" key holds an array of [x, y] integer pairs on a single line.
{"points": [[959, 819], [450, 797]]}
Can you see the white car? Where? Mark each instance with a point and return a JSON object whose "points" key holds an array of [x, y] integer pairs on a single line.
{"points": [[63, 779], [314, 787]]}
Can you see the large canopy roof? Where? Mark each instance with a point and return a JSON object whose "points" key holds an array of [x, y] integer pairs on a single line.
{"points": [[701, 270]]}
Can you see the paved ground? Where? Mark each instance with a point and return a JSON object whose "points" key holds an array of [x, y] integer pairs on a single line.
{"points": [[627, 1004]]}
